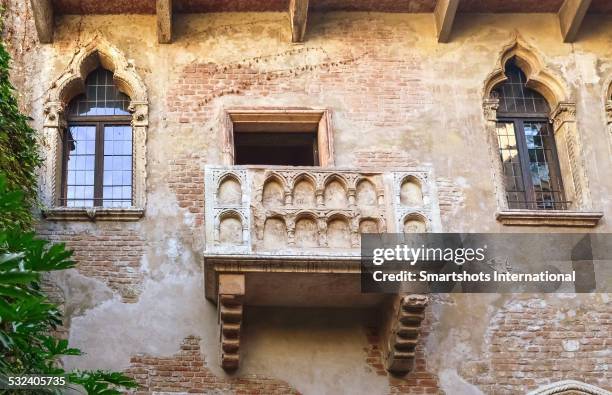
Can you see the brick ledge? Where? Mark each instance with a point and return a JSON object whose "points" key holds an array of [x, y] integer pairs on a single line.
{"points": [[582, 219]]}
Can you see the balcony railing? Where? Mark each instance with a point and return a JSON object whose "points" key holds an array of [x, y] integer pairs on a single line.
{"points": [[311, 210]]}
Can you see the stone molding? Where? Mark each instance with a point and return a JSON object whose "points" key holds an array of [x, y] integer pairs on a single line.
{"points": [[567, 138], [549, 218], [318, 119], [92, 214], [97, 53], [568, 387]]}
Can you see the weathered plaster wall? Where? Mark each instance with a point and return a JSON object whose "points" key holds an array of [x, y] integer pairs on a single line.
{"points": [[136, 301]]}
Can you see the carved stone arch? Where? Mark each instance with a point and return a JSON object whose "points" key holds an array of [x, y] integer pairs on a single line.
{"points": [[420, 184], [569, 387], [370, 224], [417, 217], [339, 230], [562, 116], [97, 53], [300, 197], [332, 195], [309, 229], [304, 176], [231, 214], [222, 180], [285, 197], [539, 78]]}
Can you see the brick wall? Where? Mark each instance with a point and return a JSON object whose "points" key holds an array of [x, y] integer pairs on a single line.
{"points": [[111, 254], [531, 343], [186, 180], [186, 372], [390, 92], [419, 380]]}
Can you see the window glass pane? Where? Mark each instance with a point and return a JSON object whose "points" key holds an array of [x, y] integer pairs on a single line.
{"points": [[101, 97], [80, 166], [117, 177], [547, 185], [515, 97], [511, 164]]}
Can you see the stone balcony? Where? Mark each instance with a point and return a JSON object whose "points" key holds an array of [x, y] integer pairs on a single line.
{"points": [[308, 211], [277, 222], [290, 236]]}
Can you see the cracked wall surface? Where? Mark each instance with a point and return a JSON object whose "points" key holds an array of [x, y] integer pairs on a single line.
{"points": [[398, 99]]}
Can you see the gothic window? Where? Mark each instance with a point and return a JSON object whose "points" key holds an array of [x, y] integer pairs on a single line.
{"points": [[527, 148], [97, 146]]}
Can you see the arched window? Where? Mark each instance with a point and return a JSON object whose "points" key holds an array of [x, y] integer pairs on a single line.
{"points": [[98, 146], [527, 146]]}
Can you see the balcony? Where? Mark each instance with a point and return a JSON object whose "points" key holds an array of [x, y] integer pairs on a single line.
{"points": [[290, 236], [306, 211]]}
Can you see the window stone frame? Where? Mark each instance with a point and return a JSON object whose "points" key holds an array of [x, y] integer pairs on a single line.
{"points": [[271, 115], [567, 139], [98, 53]]}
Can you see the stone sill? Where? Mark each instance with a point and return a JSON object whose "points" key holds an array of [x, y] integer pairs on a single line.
{"points": [[93, 214], [578, 219]]}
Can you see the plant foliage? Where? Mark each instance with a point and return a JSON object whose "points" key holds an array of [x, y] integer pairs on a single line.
{"points": [[28, 318], [18, 148]]}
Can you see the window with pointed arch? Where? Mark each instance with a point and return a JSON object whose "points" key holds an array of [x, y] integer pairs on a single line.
{"points": [[532, 177], [97, 150]]}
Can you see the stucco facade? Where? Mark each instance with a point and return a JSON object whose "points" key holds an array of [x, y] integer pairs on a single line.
{"points": [[397, 103]]}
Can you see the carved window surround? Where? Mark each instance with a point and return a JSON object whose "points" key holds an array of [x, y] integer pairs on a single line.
{"points": [[567, 138], [291, 119], [71, 83], [568, 387]]}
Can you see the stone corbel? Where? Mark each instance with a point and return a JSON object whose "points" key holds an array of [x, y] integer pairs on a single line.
{"points": [[564, 112], [401, 332], [140, 113], [490, 107], [231, 296]]}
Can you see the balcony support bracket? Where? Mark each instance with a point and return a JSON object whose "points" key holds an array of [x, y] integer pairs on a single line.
{"points": [[401, 331], [230, 300]]}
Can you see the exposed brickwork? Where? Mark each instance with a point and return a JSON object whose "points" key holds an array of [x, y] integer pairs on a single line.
{"points": [[528, 346], [379, 104], [187, 182], [387, 160], [419, 380], [186, 371], [111, 255], [450, 197]]}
